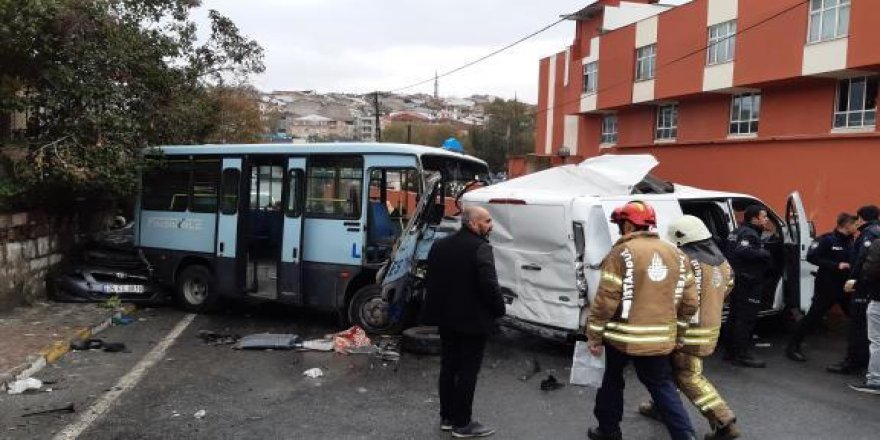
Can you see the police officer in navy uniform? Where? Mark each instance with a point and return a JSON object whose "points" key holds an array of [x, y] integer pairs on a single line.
{"points": [[831, 253], [750, 263], [857, 338]]}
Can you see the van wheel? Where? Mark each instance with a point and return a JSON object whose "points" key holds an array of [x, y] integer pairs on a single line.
{"points": [[369, 310], [421, 340], [195, 289]]}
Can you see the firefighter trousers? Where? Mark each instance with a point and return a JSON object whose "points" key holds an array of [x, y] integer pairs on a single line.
{"points": [[688, 372]]}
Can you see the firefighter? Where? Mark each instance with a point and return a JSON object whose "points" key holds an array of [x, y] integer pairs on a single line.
{"points": [[750, 263], [645, 300], [714, 280]]}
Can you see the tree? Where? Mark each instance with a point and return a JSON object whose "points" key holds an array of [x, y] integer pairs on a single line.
{"points": [[509, 131], [423, 133], [99, 80]]}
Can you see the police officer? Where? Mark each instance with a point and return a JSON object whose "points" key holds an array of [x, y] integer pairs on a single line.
{"points": [[714, 281], [857, 337], [645, 300], [750, 263], [831, 253]]}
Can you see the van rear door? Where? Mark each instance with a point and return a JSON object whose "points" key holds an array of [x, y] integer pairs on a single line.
{"points": [[798, 271]]}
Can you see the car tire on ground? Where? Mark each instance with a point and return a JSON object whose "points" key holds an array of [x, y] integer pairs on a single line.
{"points": [[195, 290], [421, 340], [369, 310]]}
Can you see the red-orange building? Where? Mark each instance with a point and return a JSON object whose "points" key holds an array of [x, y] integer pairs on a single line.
{"points": [[754, 96]]}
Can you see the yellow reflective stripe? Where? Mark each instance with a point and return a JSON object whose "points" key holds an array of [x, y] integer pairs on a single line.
{"points": [[683, 324], [717, 401], [634, 328], [635, 338], [696, 331], [612, 278], [705, 398], [698, 341], [597, 328]]}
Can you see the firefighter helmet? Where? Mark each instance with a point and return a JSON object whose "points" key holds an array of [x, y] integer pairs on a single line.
{"points": [[637, 213], [687, 229]]}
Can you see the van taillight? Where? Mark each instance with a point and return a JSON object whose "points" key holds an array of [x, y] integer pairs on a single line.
{"points": [[507, 202]]}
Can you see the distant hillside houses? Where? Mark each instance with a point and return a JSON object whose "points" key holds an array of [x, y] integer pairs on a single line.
{"points": [[308, 116]]}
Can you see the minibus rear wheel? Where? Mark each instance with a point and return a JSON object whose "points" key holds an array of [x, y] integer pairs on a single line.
{"points": [[195, 289], [369, 310]]}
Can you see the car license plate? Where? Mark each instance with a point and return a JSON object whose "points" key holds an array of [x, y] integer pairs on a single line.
{"points": [[123, 288]]}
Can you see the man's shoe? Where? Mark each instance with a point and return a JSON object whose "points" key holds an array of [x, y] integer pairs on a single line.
{"points": [[866, 388], [472, 429], [748, 360], [446, 425], [596, 434], [844, 367], [647, 409], [727, 432], [794, 353]]}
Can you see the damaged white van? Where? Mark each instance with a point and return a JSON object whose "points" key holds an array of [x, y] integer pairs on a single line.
{"points": [[552, 230]]}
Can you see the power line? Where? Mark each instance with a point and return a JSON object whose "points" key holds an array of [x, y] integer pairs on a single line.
{"points": [[481, 59], [679, 59]]}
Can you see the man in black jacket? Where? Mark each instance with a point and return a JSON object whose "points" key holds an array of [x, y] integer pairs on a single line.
{"points": [[750, 263], [870, 280], [464, 300], [857, 337], [831, 253]]}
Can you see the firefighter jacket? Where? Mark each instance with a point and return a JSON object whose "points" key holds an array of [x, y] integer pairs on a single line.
{"points": [[714, 280], [646, 296]]}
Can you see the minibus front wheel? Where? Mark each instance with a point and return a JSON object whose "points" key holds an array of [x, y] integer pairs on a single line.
{"points": [[370, 311], [195, 289]]}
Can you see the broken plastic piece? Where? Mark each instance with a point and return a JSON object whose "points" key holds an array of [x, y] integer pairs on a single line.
{"points": [[318, 344], [354, 337], [262, 341], [314, 373], [20, 386], [200, 414]]}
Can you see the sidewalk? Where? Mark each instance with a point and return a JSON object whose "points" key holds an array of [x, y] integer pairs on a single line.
{"points": [[31, 337]]}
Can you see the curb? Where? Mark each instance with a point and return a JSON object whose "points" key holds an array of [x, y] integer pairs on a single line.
{"points": [[55, 351]]}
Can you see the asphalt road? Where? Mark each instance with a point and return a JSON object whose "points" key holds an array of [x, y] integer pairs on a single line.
{"points": [[263, 394]]}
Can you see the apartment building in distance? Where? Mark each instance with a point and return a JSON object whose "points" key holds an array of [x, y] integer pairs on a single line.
{"points": [[755, 96]]}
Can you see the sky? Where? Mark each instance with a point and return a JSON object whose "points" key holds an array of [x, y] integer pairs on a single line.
{"points": [[359, 46]]}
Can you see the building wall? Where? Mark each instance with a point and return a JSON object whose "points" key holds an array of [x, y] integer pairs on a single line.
{"points": [[681, 52]]}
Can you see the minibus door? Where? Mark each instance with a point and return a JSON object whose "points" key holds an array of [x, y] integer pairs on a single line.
{"points": [[290, 267]]}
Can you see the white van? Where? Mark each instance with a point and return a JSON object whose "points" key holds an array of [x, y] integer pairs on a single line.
{"points": [[552, 230]]}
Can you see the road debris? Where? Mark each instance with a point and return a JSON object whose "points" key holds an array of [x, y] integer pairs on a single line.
{"points": [[314, 373], [23, 385], [551, 384], [200, 414], [263, 341], [212, 338]]}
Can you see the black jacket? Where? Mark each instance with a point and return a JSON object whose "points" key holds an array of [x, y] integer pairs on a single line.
{"points": [[827, 252], [869, 232], [747, 255], [463, 294], [870, 274]]}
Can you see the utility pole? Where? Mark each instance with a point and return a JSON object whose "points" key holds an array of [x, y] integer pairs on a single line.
{"points": [[409, 133], [378, 130]]}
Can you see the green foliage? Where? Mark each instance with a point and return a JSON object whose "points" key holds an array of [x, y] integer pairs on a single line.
{"points": [[96, 81]]}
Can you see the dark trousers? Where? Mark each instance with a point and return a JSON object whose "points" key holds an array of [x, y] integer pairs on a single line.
{"points": [[745, 303], [857, 336], [825, 297], [655, 372], [462, 356]]}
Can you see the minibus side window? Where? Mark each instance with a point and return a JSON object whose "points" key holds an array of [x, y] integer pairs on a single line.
{"points": [[293, 206], [166, 188], [335, 187], [206, 180], [231, 182]]}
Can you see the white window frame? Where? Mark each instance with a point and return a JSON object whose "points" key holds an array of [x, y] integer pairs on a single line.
{"points": [[829, 19], [862, 116], [646, 62], [591, 77], [722, 43], [744, 119], [667, 122], [609, 130]]}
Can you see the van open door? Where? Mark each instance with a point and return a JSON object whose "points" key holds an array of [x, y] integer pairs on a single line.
{"points": [[798, 272]]}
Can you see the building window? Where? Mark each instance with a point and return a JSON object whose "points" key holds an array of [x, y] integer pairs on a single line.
{"points": [[591, 77], [829, 19], [722, 43], [609, 129], [856, 103], [667, 121], [744, 114], [645, 60]]}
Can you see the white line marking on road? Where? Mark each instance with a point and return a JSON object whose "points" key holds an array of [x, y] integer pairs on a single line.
{"points": [[127, 382]]}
